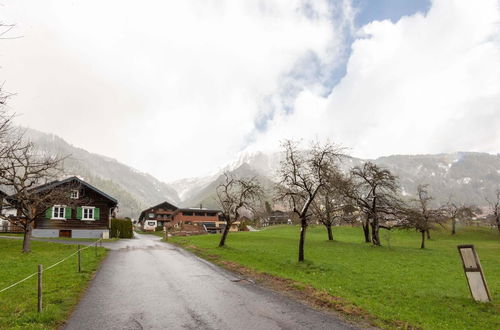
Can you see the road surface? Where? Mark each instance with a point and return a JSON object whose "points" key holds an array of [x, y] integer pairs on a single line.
{"points": [[148, 284]]}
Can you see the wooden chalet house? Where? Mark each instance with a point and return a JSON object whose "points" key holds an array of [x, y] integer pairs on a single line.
{"points": [[7, 211], [88, 218], [156, 216], [210, 220], [167, 214], [277, 217]]}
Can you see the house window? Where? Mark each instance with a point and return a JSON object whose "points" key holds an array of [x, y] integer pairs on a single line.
{"points": [[74, 194], [58, 212], [88, 213], [151, 215], [151, 223]]}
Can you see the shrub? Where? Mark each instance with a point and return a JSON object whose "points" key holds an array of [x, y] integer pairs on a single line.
{"points": [[243, 226], [121, 228]]}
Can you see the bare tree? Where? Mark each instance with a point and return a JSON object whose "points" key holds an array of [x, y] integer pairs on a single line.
{"points": [[350, 214], [23, 171], [452, 211], [7, 140], [302, 174], [235, 194], [495, 208], [375, 192], [330, 206], [423, 217], [456, 212], [327, 210]]}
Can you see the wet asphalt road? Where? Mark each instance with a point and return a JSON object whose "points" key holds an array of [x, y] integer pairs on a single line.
{"points": [[147, 284]]}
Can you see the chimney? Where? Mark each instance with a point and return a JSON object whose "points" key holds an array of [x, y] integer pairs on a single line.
{"points": [[201, 206]]}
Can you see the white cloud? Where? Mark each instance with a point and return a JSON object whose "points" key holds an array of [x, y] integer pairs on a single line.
{"points": [[177, 88], [424, 84], [171, 87]]}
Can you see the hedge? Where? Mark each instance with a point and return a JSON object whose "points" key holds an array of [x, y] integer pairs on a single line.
{"points": [[121, 228]]}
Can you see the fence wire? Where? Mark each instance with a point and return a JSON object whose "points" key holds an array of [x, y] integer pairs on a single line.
{"points": [[51, 266], [21, 281]]}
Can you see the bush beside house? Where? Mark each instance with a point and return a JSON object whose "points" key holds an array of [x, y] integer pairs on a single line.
{"points": [[121, 228]]}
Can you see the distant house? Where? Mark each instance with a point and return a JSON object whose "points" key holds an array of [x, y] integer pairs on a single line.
{"points": [[7, 211], [156, 216], [196, 219], [90, 219], [277, 217], [211, 220]]}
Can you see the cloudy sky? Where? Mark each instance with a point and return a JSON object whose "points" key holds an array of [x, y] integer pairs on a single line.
{"points": [[180, 88]]}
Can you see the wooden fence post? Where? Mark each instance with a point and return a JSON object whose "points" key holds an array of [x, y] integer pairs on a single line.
{"points": [[40, 270], [79, 260]]}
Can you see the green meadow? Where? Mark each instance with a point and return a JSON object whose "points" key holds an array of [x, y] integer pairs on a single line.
{"points": [[62, 284], [399, 285]]}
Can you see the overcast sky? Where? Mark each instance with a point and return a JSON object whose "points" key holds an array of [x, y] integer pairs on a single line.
{"points": [[179, 88]]}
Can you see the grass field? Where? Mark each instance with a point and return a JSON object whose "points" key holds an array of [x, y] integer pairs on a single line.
{"points": [[155, 233], [62, 285], [62, 238], [114, 239], [398, 284]]}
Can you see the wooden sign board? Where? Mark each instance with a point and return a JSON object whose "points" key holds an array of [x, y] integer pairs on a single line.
{"points": [[474, 273]]}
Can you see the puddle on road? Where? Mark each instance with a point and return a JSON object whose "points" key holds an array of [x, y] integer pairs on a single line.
{"points": [[243, 281]]}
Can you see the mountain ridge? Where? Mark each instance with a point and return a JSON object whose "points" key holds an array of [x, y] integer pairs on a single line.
{"points": [[466, 176], [135, 190]]}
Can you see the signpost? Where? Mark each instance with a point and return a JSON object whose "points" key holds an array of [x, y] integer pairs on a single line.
{"points": [[40, 271], [474, 273]]}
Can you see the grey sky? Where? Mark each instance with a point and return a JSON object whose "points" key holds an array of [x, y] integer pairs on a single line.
{"points": [[179, 88]]}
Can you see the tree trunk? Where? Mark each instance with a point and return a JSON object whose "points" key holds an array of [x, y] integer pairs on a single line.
{"points": [[498, 223], [422, 245], [27, 239], [224, 234], [428, 234], [453, 226], [375, 233], [329, 230], [303, 228], [366, 231]]}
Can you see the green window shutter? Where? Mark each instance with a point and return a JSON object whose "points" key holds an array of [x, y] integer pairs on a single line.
{"points": [[97, 214], [79, 213], [48, 213], [67, 213]]}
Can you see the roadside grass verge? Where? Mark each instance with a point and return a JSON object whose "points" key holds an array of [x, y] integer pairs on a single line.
{"points": [[62, 285], [63, 238], [400, 286], [155, 233], [114, 239]]}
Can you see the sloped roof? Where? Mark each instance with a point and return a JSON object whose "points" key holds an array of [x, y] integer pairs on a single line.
{"points": [[56, 183], [197, 210], [164, 204]]}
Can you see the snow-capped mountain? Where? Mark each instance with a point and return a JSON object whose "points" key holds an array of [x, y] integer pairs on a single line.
{"points": [[185, 188], [263, 163], [466, 177]]}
